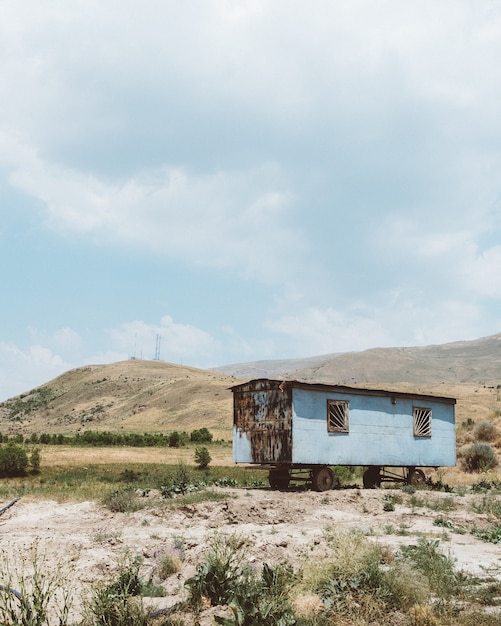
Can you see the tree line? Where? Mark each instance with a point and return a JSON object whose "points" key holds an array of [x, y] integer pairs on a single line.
{"points": [[175, 439]]}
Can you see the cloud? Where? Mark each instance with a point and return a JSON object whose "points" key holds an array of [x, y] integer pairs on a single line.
{"points": [[177, 341], [233, 219], [404, 319], [21, 370]]}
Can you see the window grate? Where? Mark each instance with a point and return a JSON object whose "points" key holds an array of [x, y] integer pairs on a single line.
{"points": [[338, 416], [422, 422]]}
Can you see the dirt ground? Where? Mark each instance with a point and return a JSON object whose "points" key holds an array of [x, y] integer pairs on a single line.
{"points": [[279, 526]]}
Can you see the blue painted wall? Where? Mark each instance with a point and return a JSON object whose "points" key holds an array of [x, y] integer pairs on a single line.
{"points": [[380, 432]]}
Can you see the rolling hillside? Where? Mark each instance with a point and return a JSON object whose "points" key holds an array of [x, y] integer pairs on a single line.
{"points": [[154, 396]]}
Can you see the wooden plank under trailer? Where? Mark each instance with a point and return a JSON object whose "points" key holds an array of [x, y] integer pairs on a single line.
{"points": [[322, 477]]}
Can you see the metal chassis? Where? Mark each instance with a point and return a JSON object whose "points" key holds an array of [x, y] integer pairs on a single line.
{"points": [[304, 472]]}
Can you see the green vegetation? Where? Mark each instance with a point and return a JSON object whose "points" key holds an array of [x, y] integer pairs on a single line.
{"points": [[26, 403], [202, 457], [77, 483], [479, 457], [14, 461], [485, 431], [90, 438]]}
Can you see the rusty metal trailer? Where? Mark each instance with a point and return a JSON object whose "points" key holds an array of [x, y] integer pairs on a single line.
{"points": [[298, 431]]}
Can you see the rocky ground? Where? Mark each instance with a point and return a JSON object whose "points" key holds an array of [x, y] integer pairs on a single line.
{"points": [[279, 526]]}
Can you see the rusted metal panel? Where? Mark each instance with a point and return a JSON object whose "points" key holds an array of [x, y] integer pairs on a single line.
{"points": [[263, 415]]}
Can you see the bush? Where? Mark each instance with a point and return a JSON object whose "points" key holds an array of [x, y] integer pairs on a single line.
{"points": [[203, 435], [485, 431], [13, 460], [35, 461], [479, 457], [202, 457], [123, 500]]}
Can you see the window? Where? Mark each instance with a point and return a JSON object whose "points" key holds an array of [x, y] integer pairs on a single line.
{"points": [[422, 422], [338, 416]]}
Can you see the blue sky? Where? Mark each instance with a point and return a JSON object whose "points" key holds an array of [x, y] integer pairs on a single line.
{"points": [[245, 179]]}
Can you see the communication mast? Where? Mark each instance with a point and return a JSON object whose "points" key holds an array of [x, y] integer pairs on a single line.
{"points": [[157, 348]]}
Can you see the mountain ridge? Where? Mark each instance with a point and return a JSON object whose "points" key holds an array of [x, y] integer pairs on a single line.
{"points": [[157, 396]]}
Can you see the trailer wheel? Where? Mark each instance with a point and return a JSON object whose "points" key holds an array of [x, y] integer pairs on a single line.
{"points": [[322, 478], [416, 477], [279, 479], [372, 478]]}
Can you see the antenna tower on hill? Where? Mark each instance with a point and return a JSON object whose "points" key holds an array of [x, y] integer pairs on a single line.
{"points": [[157, 348]]}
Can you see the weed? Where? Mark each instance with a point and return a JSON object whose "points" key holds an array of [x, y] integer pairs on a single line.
{"points": [[436, 566], [168, 563], [34, 594], [390, 499], [218, 577], [490, 535], [488, 506], [119, 602], [122, 501]]}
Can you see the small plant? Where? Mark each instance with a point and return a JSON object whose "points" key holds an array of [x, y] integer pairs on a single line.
{"points": [[436, 566], [122, 501], [485, 431], [490, 535], [35, 461], [479, 457], [119, 603], [32, 592], [168, 563], [388, 505], [218, 577], [202, 457]]}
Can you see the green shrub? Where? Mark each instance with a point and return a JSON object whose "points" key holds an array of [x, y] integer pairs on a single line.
{"points": [[202, 435], [202, 457], [35, 461], [479, 457], [485, 431], [118, 603], [218, 577], [122, 501], [13, 460], [436, 566]]}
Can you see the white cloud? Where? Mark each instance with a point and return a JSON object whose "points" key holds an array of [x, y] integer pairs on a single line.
{"points": [[404, 320], [22, 370], [228, 219], [178, 342]]}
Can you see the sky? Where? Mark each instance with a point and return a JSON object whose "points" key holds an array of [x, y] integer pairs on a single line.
{"points": [[215, 181]]}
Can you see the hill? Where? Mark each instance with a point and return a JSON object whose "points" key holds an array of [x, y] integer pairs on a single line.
{"points": [[473, 362], [154, 396], [129, 396]]}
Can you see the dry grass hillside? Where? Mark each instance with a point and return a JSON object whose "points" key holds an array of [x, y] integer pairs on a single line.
{"points": [[129, 396], [154, 396]]}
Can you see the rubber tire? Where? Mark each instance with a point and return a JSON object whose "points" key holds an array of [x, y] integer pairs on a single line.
{"points": [[323, 478], [416, 477], [372, 478], [279, 479]]}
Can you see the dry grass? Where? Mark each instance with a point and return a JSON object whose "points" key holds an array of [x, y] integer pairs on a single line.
{"points": [[66, 456]]}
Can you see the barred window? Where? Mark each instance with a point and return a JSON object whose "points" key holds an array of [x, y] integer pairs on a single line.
{"points": [[338, 416], [422, 422]]}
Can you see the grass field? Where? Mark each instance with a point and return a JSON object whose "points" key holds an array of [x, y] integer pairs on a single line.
{"points": [[62, 456]]}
